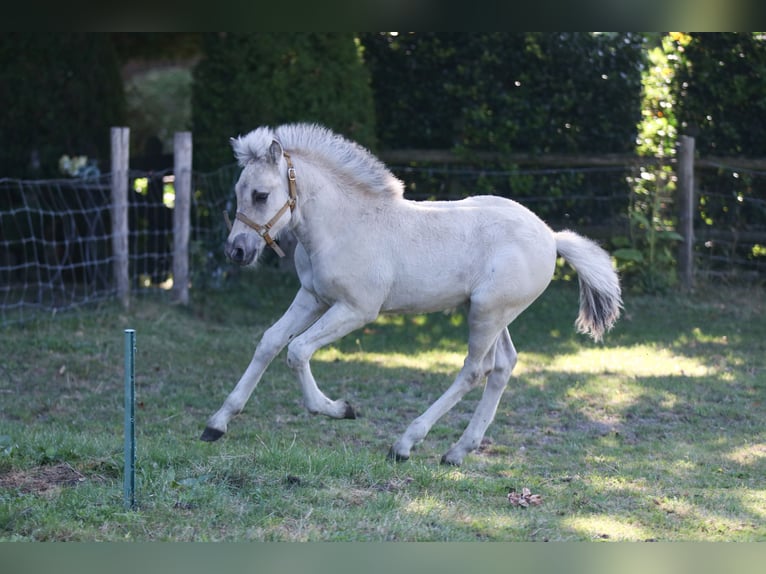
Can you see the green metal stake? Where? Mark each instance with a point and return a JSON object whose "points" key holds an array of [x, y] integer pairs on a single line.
{"points": [[129, 481]]}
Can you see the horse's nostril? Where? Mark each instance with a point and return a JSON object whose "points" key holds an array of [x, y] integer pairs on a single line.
{"points": [[236, 250]]}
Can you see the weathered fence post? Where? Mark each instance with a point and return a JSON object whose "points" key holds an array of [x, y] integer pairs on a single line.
{"points": [[182, 150], [686, 213], [120, 138]]}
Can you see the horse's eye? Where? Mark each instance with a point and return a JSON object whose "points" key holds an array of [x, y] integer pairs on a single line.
{"points": [[259, 197]]}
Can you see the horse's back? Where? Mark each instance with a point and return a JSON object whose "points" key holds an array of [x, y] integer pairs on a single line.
{"points": [[449, 252], [486, 224]]}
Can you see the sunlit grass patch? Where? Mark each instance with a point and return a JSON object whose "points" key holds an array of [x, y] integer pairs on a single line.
{"points": [[605, 527], [749, 454], [754, 501], [425, 505], [643, 360]]}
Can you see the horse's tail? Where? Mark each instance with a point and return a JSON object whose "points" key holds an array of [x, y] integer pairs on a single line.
{"points": [[600, 294]]}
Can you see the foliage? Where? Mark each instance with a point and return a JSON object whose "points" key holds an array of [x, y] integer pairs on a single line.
{"points": [[720, 91], [523, 92], [410, 74], [247, 80], [153, 46], [532, 93], [544, 92], [158, 105], [59, 93], [647, 260]]}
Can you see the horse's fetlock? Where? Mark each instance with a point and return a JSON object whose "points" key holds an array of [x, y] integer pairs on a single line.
{"points": [[311, 408], [349, 412]]}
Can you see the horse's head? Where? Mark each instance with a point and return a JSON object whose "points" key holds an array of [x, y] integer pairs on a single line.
{"points": [[265, 199]]}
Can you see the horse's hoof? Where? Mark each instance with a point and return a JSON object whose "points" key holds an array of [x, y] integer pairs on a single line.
{"points": [[211, 435], [450, 462], [393, 455], [349, 413]]}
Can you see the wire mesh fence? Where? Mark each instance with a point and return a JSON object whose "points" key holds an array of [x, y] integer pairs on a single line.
{"points": [[55, 235], [54, 245], [55, 239], [730, 230], [592, 198]]}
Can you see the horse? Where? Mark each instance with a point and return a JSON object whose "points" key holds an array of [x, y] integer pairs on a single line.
{"points": [[364, 250]]}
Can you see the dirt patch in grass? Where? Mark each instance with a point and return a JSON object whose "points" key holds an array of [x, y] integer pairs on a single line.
{"points": [[41, 479]]}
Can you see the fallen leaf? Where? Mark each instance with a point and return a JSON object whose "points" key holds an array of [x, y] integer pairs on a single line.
{"points": [[525, 499]]}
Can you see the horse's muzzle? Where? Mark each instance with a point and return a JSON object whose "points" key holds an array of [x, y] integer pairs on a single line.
{"points": [[237, 250]]}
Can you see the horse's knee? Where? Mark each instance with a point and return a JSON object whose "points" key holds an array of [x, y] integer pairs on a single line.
{"points": [[503, 369]]}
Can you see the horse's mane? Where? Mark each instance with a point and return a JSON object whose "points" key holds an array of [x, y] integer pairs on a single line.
{"points": [[333, 150]]}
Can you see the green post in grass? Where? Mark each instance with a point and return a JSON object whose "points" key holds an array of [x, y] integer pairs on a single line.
{"points": [[129, 482]]}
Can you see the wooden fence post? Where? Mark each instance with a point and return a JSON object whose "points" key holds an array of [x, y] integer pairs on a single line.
{"points": [[686, 213], [120, 139], [182, 150]]}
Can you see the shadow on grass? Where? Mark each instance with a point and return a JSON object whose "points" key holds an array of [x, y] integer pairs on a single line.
{"points": [[670, 455], [672, 458], [617, 454], [657, 434]]}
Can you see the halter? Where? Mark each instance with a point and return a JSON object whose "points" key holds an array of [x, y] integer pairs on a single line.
{"points": [[263, 230]]}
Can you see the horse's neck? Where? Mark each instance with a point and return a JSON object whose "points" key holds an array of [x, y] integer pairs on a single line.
{"points": [[327, 204]]}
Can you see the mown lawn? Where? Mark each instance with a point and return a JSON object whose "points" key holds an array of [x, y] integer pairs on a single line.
{"points": [[658, 434]]}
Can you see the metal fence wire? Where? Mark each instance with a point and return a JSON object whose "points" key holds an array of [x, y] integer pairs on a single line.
{"points": [[56, 244], [56, 250], [730, 224]]}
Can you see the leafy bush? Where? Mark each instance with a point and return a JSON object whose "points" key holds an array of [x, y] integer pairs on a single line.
{"points": [[60, 95], [247, 80], [720, 89], [158, 105], [520, 92]]}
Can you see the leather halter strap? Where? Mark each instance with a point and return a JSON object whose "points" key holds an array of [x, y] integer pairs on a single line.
{"points": [[263, 230]]}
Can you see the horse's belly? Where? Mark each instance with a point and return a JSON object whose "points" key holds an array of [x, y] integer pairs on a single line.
{"points": [[423, 299], [424, 285]]}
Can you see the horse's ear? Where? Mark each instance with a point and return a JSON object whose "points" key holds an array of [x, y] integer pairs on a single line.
{"points": [[275, 150]]}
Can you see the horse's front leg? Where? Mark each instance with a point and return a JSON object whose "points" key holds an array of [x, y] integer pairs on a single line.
{"points": [[337, 322], [303, 311]]}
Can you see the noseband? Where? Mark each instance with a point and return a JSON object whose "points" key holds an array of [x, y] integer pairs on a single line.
{"points": [[263, 230]]}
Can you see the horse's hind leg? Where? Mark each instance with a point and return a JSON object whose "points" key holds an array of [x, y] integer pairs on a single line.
{"points": [[478, 364], [504, 361]]}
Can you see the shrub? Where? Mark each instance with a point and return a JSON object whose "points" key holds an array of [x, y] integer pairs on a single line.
{"points": [[60, 95], [247, 80]]}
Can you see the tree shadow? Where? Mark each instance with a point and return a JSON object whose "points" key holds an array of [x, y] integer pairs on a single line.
{"points": [[680, 456]]}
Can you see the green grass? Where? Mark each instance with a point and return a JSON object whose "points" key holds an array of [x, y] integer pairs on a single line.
{"points": [[659, 434]]}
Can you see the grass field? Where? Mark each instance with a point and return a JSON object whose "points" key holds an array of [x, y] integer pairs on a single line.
{"points": [[658, 434]]}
